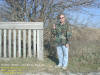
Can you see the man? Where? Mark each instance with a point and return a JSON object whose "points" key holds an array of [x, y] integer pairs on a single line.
{"points": [[62, 34]]}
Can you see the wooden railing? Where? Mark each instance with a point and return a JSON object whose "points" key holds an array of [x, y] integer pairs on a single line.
{"points": [[21, 39]]}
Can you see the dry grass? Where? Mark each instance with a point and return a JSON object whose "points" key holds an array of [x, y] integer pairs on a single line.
{"points": [[88, 34], [84, 49], [84, 54]]}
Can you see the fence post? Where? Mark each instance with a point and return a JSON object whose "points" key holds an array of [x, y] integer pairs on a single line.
{"points": [[34, 42], [5, 49], [24, 43], [14, 43], [9, 43], [0, 43], [40, 44]]}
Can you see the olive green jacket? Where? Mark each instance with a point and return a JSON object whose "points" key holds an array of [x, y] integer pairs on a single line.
{"points": [[62, 33]]}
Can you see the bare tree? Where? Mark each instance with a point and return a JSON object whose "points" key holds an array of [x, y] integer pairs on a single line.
{"points": [[41, 10]]}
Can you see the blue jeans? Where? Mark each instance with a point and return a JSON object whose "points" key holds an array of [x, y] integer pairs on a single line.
{"points": [[62, 52]]}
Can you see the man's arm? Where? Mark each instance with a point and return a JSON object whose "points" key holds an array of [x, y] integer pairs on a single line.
{"points": [[69, 34], [69, 31], [53, 30]]}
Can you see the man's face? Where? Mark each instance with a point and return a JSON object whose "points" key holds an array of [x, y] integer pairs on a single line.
{"points": [[62, 18]]}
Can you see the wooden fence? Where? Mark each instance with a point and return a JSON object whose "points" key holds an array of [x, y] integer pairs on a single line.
{"points": [[21, 39]]}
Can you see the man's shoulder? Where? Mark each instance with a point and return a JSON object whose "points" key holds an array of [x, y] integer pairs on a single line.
{"points": [[66, 22], [57, 23]]}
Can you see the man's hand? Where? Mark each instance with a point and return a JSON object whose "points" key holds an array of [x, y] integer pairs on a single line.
{"points": [[67, 45], [54, 26]]}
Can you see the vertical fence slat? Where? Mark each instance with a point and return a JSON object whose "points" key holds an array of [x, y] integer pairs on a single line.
{"points": [[5, 53], [29, 43], [40, 44], [9, 42], [14, 43], [34, 42], [24, 43], [19, 43], [38, 47], [0, 43]]}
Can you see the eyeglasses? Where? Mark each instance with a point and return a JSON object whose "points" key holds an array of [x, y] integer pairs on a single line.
{"points": [[61, 17]]}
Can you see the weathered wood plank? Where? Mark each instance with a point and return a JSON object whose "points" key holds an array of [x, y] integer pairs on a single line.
{"points": [[0, 43], [19, 43], [9, 43], [34, 42], [40, 44], [24, 43], [29, 43], [37, 28], [14, 43], [5, 51], [21, 25]]}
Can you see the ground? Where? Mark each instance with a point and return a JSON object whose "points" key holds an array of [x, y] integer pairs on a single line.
{"points": [[32, 66]]}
